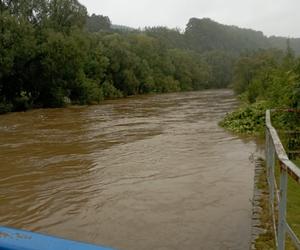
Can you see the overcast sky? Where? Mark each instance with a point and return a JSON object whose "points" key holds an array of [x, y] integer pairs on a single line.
{"points": [[273, 17]]}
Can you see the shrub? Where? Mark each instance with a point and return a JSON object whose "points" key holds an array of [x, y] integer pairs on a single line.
{"points": [[5, 107], [248, 119], [110, 91]]}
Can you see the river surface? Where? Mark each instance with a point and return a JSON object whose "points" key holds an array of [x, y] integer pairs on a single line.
{"points": [[143, 173]]}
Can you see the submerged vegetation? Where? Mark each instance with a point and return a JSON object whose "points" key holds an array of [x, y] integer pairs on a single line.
{"points": [[248, 119]]}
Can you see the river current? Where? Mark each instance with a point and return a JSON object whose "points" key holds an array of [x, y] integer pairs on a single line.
{"points": [[144, 173]]}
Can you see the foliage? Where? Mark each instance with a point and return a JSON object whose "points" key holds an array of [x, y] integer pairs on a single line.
{"points": [[270, 76], [172, 38], [109, 91], [17, 51], [97, 23], [205, 35], [249, 119], [53, 53], [5, 108], [64, 14], [49, 57], [221, 64], [280, 43]]}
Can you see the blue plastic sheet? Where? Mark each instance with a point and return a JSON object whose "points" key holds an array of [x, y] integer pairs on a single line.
{"points": [[13, 239]]}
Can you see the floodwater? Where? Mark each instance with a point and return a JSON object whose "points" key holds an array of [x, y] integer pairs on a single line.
{"points": [[144, 173]]}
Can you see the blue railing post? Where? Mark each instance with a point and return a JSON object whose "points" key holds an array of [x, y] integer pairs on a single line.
{"points": [[272, 173], [270, 163]]}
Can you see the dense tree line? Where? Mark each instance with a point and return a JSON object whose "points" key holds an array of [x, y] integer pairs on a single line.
{"points": [[98, 23], [269, 75], [280, 43], [53, 53]]}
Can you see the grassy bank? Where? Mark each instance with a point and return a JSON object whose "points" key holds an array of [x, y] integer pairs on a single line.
{"points": [[265, 240], [293, 207]]}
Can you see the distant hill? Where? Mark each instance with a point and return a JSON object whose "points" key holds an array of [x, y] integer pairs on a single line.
{"points": [[202, 35], [205, 34]]}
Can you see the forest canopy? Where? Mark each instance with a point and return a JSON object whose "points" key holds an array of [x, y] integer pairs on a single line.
{"points": [[53, 53]]}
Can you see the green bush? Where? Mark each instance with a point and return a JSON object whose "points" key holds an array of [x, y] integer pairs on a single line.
{"points": [[168, 84], [248, 119], [93, 94], [110, 91], [23, 102], [5, 107]]}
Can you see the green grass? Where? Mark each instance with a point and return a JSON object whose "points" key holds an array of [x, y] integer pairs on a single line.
{"points": [[293, 204], [266, 240]]}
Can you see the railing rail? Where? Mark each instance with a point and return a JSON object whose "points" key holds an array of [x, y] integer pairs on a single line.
{"points": [[275, 152]]}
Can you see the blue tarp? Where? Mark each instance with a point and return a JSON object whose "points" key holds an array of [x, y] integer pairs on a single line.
{"points": [[12, 239]]}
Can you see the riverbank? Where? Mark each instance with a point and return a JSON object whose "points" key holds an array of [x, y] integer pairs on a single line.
{"points": [[262, 228], [8, 108]]}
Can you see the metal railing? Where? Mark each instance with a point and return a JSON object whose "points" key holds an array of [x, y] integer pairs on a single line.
{"points": [[276, 155]]}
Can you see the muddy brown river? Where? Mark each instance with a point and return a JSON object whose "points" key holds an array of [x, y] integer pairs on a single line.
{"points": [[143, 173]]}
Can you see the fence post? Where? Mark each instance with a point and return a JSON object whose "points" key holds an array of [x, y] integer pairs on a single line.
{"points": [[282, 207], [270, 167]]}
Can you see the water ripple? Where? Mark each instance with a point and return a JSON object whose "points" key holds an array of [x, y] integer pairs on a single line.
{"points": [[150, 172]]}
